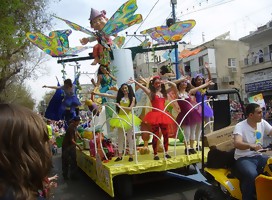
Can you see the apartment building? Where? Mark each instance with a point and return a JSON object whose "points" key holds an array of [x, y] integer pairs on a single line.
{"points": [[257, 65], [224, 57], [148, 64]]}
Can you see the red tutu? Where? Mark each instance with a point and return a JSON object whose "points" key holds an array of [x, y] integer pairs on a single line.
{"points": [[157, 117]]}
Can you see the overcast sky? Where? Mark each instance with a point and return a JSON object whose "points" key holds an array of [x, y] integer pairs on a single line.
{"points": [[213, 18]]}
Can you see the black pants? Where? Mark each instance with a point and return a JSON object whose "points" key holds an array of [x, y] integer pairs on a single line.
{"points": [[69, 160]]}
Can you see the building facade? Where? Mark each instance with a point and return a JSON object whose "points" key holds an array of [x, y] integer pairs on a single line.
{"points": [[224, 58], [148, 64], [257, 65]]}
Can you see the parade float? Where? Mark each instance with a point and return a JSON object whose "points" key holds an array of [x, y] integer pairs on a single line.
{"points": [[96, 160]]}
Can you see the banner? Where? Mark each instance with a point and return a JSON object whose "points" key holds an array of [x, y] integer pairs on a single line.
{"points": [[258, 98]]}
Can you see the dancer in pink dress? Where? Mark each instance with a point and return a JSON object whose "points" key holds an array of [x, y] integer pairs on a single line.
{"points": [[189, 117], [157, 120]]}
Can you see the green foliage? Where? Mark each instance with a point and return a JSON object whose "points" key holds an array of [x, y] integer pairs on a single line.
{"points": [[114, 70], [45, 101], [16, 18], [18, 94]]}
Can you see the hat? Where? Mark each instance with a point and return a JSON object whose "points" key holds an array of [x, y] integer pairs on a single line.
{"points": [[156, 77], [198, 75], [95, 13], [76, 118]]}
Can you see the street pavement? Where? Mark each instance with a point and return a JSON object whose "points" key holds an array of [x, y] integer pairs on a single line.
{"points": [[85, 189]]}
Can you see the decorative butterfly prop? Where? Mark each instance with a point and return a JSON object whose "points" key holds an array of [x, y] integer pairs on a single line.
{"points": [[123, 18], [174, 33], [56, 45], [118, 42]]}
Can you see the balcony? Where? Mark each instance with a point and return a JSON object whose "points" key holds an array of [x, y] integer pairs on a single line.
{"points": [[253, 64]]}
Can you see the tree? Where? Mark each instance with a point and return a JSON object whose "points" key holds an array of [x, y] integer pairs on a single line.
{"points": [[18, 94], [18, 61], [45, 101]]}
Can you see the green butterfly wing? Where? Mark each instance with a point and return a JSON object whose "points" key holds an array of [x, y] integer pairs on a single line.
{"points": [[55, 45], [123, 18]]}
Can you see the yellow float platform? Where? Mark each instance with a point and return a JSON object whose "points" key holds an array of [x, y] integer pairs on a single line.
{"points": [[102, 173]]}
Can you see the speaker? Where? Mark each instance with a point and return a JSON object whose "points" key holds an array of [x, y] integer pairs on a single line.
{"points": [[221, 111]]}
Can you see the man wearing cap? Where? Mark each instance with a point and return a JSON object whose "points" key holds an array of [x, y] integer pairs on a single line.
{"points": [[98, 21], [69, 149]]}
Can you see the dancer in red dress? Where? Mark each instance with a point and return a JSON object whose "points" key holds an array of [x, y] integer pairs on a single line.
{"points": [[157, 120]]}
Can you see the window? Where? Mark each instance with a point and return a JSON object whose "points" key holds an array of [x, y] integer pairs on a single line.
{"points": [[201, 61], [187, 68], [231, 62]]}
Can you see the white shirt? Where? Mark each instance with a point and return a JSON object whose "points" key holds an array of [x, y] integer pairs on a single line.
{"points": [[250, 135]]}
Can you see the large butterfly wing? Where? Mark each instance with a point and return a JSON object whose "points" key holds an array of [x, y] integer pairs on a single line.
{"points": [[52, 45], [77, 27], [154, 35], [174, 33], [177, 31], [62, 36], [123, 18], [84, 30]]}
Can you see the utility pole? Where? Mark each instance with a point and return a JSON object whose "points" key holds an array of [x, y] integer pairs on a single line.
{"points": [[174, 3]]}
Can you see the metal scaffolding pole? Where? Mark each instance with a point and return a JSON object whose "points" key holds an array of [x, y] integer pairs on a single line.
{"points": [[174, 3]]}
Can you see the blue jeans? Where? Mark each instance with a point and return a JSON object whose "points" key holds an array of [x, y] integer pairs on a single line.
{"points": [[247, 169]]}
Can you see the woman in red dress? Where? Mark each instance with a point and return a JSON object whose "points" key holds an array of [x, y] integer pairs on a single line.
{"points": [[155, 118]]}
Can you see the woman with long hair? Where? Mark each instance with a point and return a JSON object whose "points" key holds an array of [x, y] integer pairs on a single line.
{"points": [[197, 81], [125, 101], [188, 117]]}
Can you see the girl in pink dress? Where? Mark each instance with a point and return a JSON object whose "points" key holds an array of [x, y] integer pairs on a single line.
{"points": [[157, 120], [192, 116]]}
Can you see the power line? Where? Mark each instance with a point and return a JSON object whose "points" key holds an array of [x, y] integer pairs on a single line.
{"points": [[211, 6], [143, 21]]}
